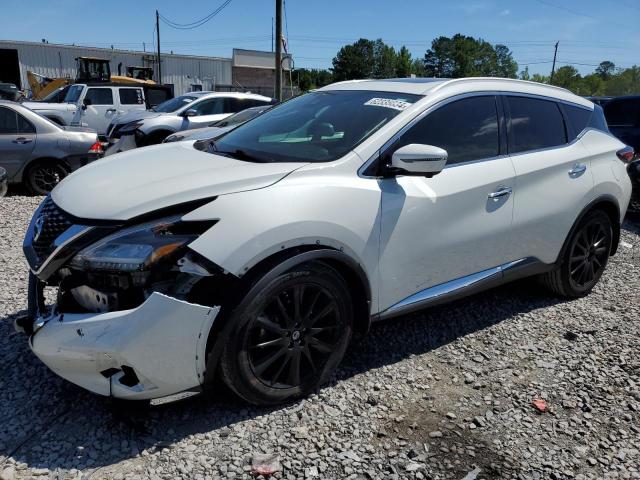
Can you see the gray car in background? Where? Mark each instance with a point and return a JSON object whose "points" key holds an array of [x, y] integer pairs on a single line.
{"points": [[37, 152], [217, 128]]}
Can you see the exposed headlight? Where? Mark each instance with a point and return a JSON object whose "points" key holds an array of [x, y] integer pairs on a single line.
{"points": [[130, 127], [137, 248], [176, 137]]}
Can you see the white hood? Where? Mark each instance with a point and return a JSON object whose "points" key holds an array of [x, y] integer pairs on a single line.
{"points": [[143, 180]]}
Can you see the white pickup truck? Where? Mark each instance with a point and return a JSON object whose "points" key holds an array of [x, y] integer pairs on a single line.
{"points": [[93, 106]]}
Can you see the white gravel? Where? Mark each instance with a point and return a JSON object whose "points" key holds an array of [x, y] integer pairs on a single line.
{"points": [[446, 394]]}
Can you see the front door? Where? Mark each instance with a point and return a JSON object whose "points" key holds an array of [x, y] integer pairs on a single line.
{"points": [[457, 223], [205, 112], [17, 141], [100, 109]]}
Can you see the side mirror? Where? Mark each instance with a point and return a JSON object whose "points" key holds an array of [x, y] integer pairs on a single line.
{"points": [[418, 160], [192, 112]]}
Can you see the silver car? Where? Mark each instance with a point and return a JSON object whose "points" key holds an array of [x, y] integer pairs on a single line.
{"points": [[193, 110], [217, 128], [37, 152]]}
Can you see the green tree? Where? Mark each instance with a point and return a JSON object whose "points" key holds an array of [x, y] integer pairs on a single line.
{"points": [[417, 68], [354, 61], [463, 56], [568, 77], [524, 74], [308, 79], [384, 58], [606, 69], [403, 63]]}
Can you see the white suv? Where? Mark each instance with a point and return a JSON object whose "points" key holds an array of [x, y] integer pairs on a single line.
{"points": [[93, 106], [257, 256]]}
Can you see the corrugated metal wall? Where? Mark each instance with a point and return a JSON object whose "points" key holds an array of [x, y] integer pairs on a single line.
{"points": [[182, 71]]}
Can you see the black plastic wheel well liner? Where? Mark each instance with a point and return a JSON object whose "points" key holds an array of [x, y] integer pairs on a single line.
{"points": [[264, 271], [609, 205]]}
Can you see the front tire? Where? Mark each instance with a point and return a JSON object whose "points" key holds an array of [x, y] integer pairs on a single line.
{"points": [[585, 258], [290, 337]]}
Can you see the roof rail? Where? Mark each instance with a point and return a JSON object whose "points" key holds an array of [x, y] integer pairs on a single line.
{"points": [[502, 79]]}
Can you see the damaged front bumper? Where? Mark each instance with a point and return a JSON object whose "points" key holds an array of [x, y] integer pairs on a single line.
{"points": [[152, 351]]}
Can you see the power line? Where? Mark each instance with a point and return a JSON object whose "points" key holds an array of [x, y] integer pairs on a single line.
{"points": [[197, 23]]}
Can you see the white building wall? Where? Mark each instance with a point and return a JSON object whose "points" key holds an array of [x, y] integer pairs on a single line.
{"points": [[53, 60]]}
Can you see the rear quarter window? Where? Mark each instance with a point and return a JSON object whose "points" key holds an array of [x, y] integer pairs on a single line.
{"points": [[130, 96], [578, 118]]}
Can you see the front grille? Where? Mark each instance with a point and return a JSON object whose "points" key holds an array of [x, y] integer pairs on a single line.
{"points": [[50, 224]]}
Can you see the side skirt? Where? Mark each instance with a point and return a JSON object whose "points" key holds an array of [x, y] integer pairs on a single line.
{"points": [[465, 286]]}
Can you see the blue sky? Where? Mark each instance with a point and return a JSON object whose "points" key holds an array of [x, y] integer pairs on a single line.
{"points": [[589, 31]]}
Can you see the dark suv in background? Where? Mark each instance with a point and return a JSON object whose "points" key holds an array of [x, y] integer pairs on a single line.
{"points": [[623, 118]]}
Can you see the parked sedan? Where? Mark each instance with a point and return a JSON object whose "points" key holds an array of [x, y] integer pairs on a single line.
{"points": [[193, 110], [217, 128], [37, 152]]}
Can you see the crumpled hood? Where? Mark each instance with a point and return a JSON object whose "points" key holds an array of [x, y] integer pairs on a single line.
{"points": [[136, 115], [139, 181]]}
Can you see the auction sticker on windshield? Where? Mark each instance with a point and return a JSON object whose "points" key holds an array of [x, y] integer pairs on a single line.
{"points": [[389, 103]]}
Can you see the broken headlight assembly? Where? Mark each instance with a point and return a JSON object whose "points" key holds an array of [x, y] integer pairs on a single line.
{"points": [[122, 269], [137, 248]]}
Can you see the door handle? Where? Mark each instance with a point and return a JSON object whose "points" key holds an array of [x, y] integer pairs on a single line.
{"points": [[501, 192], [22, 140], [113, 110], [578, 169]]}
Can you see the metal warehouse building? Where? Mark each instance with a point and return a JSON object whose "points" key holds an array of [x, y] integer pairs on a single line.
{"points": [[185, 72]]}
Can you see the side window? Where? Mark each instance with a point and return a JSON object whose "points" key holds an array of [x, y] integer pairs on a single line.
{"points": [[130, 96], [8, 121], [233, 105], [100, 96], [213, 106], [467, 129], [578, 118], [623, 112], [535, 124], [24, 125]]}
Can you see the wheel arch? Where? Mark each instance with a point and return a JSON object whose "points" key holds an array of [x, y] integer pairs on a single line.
{"points": [[276, 264], [609, 205]]}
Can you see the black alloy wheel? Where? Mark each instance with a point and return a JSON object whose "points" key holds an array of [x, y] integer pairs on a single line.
{"points": [[289, 337], [589, 254], [292, 338], [585, 257]]}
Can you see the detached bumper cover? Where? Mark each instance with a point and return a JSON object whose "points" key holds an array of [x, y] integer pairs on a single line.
{"points": [[152, 351]]}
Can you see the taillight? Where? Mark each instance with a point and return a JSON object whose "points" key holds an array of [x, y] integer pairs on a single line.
{"points": [[626, 154], [97, 148]]}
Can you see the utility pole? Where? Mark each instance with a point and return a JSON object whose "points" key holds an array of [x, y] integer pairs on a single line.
{"points": [[272, 34], [159, 60], [553, 68], [278, 92]]}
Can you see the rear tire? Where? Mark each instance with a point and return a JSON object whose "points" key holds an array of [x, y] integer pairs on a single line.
{"points": [[585, 258], [42, 177], [290, 337]]}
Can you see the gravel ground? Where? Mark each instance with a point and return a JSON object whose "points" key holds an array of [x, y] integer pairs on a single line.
{"points": [[446, 394]]}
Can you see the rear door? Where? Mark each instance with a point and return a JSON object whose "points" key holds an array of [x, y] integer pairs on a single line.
{"points": [[17, 140], [554, 180], [98, 108], [130, 99]]}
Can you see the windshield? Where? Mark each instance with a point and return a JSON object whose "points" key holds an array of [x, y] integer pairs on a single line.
{"points": [[240, 117], [316, 127], [73, 94], [174, 104]]}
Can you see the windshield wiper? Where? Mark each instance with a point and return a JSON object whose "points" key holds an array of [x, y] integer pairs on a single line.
{"points": [[240, 155]]}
